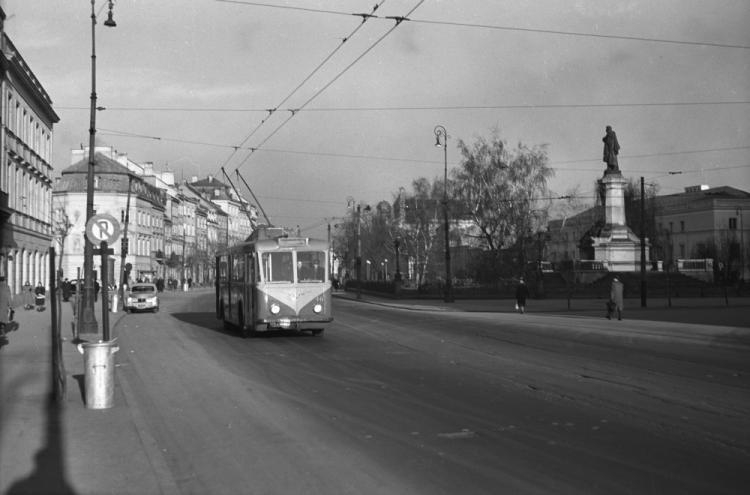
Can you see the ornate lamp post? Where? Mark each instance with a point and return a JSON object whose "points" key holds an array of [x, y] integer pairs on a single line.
{"points": [[441, 141], [87, 318]]}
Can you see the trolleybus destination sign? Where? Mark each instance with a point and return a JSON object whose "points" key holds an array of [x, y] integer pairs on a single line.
{"points": [[102, 228]]}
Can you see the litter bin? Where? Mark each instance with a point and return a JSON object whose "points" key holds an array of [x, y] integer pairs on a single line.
{"points": [[99, 372]]}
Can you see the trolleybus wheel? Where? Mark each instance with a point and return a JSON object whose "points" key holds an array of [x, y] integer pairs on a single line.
{"points": [[317, 331]]}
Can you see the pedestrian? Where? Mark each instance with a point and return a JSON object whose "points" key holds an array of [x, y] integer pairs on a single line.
{"points": [[40, 296], [5, 309], [28, 296], [615, 299], [66, 290], [522, 292]]}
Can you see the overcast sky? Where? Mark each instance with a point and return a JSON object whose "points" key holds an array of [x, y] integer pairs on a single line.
{"points": [[185, 81]]}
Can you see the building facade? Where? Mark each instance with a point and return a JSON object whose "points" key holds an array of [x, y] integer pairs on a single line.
{"points": [[699, 223], [27, 119], [113, 184]]}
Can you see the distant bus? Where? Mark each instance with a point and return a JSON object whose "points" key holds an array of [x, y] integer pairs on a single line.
{"points": [[276, 283]]}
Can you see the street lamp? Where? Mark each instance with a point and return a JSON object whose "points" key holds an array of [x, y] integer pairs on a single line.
{"points": [[396, 245], [441, 141], [87, 318]]}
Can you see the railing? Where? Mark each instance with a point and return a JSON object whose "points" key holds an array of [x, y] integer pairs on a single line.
{"points": [[591, 265], [696, 265]]}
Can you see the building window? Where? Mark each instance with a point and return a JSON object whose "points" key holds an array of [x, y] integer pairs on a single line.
{"points": [[682, 226], [733, 224], [682, 250], [671, 227]]}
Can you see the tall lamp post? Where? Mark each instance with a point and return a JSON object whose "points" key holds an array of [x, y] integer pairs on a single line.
{"points": [[441, 140], [87, 318]]}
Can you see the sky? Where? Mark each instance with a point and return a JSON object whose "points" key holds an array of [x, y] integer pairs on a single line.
{"points": [[188, 85]]}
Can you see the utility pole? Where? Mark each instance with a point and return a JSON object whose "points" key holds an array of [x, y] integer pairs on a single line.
{"points": [[359, 252], [86, 318], [643, 243]]}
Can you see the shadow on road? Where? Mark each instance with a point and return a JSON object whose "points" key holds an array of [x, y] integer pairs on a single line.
{"points": [[208, 321], [205, 319]]}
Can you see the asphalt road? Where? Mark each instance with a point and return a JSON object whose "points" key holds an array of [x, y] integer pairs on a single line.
{"points": [[396, 401]]}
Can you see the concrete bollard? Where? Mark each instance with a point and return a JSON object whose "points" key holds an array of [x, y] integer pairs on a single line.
{"points": [[99, 373]]}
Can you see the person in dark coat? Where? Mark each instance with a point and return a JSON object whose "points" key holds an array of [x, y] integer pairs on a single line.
{"points": [[40, 296], [522, 292], [616, 298], [5, 308], [66, 290]]}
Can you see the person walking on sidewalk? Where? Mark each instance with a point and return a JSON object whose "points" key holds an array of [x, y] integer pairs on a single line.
{"points": [[28, 296], [522, 292], [616, 299], [40, 296], [5, 310]]}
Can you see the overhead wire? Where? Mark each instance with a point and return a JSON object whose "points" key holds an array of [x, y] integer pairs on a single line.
{"points": [[398, 21], [500, 28], [325, 60], [422, 108], [407, 160]]}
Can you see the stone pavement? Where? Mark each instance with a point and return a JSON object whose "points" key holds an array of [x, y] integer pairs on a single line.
{"points": [[63, 448], [66, 448]]}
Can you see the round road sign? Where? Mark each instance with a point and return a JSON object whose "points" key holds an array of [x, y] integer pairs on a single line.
{"points": [[101, 228]]}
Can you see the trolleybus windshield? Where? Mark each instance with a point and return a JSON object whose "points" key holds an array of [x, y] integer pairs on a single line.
{"points": [[277, 267], [311, 266]]}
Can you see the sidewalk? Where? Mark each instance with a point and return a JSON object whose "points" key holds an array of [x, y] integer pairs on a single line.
{"points": [[65, 448], [705, 310]]}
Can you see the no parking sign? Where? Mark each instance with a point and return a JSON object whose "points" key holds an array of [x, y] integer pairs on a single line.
{"points": [[102, 228]]}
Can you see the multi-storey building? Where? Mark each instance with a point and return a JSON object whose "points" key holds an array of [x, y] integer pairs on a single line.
{"points": [[26, 120], [700, 222], [242, 217], [114, 183]]}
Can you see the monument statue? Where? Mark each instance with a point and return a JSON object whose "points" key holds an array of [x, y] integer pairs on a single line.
{"points": [[611, 149]]}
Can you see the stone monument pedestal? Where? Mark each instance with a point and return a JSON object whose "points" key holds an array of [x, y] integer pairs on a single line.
{"points": [[617, 247]]}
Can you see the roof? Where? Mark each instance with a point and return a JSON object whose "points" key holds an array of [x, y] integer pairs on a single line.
{"points": [[102, 165], [727, 192], [208, 182]]}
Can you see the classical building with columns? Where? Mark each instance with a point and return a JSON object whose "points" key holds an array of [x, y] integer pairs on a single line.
{"points": [[26, 120]]}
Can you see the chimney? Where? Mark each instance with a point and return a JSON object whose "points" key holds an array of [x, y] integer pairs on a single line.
{"points": [[210, 179]]}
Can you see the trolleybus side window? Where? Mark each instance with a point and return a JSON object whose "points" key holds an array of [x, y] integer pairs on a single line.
{"points": [[311, 266], [238, 268], [277, 267], [223, 267]]}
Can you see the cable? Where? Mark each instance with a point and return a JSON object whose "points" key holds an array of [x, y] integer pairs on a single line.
{"points": [[500, 28], [406, 160], [335, 78], [421, 108], [289, 95]]}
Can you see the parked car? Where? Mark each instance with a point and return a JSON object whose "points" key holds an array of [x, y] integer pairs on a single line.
{"points": [[141, 297]]}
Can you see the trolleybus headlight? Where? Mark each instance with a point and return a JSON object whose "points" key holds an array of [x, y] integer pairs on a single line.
{"points": [[275, 308], [318, 308]]}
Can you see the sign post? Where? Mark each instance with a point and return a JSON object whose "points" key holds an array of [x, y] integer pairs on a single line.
{"points": [[102, 230]]}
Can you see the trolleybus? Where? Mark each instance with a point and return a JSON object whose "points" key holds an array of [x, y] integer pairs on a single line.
{"points": [[274, 282]]}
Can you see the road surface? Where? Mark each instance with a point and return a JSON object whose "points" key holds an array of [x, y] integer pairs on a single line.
{"points": [[397, 401]]}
